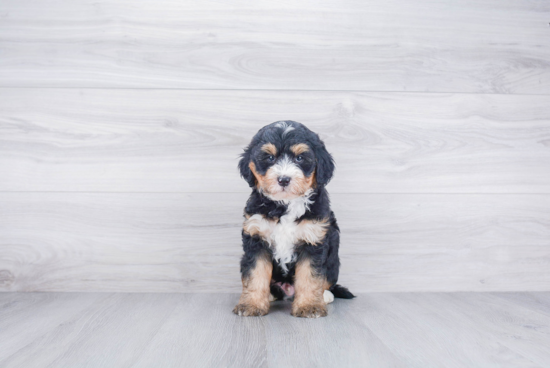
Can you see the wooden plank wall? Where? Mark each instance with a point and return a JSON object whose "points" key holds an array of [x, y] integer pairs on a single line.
{"points": [[121, 123]]}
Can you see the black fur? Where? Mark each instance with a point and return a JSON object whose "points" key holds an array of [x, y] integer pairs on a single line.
{"points": [[341, 292], [323, 256], [319, 160], [254, 248], [277, 292]]}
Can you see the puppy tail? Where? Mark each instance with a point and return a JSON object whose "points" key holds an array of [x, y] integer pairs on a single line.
{"points": [[341, 292]]}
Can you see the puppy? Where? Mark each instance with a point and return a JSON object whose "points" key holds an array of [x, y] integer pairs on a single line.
{"points": [[290, 236]]}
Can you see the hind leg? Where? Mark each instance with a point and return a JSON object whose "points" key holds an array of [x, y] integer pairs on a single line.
{"points": [[328, 297]]}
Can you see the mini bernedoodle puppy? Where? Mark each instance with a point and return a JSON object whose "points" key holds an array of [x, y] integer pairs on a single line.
{"points": [[290, 236]]}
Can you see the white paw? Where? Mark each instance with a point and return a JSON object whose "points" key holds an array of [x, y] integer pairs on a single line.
{"points": [[328, 296], [272, 298]]}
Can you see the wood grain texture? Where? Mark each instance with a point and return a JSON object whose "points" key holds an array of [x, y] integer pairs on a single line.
{"points": [[421, 330], [121, 122], [189, 141], [428, 322], [170, 242], [497, 46]]}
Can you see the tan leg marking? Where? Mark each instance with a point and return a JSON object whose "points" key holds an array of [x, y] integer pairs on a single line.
{"points": [[309, 287], [254, 299]]}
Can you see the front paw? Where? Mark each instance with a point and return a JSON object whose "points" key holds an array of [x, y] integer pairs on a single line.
{"points": [[309, 311], [248, 310]]}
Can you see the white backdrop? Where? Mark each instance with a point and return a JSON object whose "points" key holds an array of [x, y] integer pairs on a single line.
{"points": [[121, 123]]}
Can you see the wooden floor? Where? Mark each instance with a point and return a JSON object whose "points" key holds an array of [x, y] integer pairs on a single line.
{"points": [[121, 122], [199, 330]]}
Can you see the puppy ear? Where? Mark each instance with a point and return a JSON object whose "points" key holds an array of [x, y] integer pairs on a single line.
{"points": [[246, 173], [325, 164]]}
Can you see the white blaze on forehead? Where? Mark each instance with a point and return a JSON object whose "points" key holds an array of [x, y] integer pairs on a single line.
{"points": [[285, 126], [285, 167]]}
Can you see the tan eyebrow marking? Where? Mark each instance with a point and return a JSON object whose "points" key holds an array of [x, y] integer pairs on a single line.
{"points": [[270, 148], [299, 148]]}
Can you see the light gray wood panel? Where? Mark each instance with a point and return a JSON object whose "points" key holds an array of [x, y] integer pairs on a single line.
{"points": [[421, 330], [443, 46], [155, 242], [537, 301], [189, 141], [503, 323], [54, 309], [219, 339], [428, 322], [71, 327]]}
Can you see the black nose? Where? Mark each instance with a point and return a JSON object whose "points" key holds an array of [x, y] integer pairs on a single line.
{"points": [[283, 180]]}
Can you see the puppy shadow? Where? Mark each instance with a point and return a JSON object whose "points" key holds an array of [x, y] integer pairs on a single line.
{"points": [[284, 307], [280, 306]]}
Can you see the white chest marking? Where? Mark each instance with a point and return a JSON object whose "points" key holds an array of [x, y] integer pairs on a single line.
{"points": [[284, 234]]}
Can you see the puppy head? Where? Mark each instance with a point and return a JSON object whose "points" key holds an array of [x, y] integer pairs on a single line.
{"points": [[285, 159]]}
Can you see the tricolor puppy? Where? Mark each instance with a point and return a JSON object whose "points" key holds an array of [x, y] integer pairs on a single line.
{"points": [[290, 235]]}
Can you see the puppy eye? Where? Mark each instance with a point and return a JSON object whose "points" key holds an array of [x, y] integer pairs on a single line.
{"points": [[271, 158], [299, 158]]}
